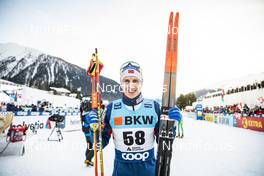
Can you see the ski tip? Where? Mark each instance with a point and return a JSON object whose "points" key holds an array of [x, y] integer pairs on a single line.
{"points": [[177, 16], [171, 15], [176, 20], [96, 50], [170, 23]]}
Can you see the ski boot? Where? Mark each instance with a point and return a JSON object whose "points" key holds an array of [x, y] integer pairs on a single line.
{"points": [[182, 136], [88, 163]]}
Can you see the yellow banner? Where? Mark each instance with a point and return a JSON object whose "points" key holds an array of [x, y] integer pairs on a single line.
{"points": [[209, 117]]}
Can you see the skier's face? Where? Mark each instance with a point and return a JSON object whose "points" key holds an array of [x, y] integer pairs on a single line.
{"points": [[131, 86]]}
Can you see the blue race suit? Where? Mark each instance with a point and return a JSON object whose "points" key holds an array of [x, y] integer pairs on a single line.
{"points": [[134, 124], [89, 153]]}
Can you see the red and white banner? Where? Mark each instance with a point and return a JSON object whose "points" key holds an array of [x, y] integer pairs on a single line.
{"points": [[253, 123]]}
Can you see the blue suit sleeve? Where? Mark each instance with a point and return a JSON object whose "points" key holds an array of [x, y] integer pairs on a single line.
{"points": [[158, 111], [107, 131]]}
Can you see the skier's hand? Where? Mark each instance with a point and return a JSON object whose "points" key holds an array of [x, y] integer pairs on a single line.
{"points": [[175, 114], [93, 119]]}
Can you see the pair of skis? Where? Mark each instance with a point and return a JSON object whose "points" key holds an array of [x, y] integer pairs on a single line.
{"points": [[94, 71], [166, 126]]}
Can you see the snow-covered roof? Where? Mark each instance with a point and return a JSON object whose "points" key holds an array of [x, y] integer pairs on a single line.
{"points": [[2, 81], [242, 81], [5, 98], [28, 95], [7, 85], [60, 89]]}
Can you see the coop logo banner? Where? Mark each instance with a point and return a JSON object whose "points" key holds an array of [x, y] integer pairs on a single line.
{"points": [[29, 113], [45, 113], [34, 113], [21, 113]]}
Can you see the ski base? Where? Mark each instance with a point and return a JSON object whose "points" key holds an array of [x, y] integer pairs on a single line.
{"points": [[166, 137]]}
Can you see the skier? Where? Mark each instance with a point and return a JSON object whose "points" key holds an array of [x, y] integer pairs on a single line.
{"points": [[180, 129], [85, 108], [134, 123]]}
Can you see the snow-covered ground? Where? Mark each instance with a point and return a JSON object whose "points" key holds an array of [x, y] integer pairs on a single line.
{"points": [[206, 149]]}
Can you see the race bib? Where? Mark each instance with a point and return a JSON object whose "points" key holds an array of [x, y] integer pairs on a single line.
{"points": [[133, 131], [133, 139]]}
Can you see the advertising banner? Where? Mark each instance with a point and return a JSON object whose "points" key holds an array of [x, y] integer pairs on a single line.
{"points": [[225, 119], [222, 119], [36, 121], [210, 117], [253, 123], [190, 115]]}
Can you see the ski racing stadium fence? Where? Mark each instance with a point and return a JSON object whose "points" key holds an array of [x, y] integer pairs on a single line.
{"points": [[232, 120], [38, 121]]}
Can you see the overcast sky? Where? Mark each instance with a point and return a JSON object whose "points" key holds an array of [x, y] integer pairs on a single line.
{"points": [[218, 40]]}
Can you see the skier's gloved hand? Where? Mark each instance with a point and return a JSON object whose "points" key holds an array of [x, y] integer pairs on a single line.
{"points": [[93, 118], [175, 114]]}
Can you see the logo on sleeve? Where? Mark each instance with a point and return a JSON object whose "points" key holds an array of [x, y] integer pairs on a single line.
{"points": [[148, 105], [117, 105]]}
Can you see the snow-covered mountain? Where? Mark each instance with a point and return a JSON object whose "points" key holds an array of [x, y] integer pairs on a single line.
{"points": [[34, 68]]}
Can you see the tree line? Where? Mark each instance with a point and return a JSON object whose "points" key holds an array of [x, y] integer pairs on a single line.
{"points": [[185, 100]]}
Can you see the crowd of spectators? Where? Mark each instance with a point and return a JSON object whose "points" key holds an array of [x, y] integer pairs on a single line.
{"points": [[41, 107], [244, 110], [237, 108]]}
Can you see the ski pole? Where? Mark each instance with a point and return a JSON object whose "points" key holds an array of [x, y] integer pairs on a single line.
{"points": [[94, 126], [99, 113]]}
